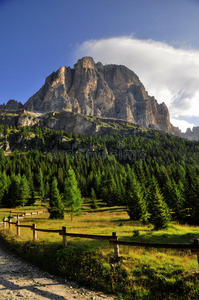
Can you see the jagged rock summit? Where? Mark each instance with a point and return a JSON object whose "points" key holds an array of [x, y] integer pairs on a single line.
{"points": [[12, 105], [192, 135], [107, 91]]}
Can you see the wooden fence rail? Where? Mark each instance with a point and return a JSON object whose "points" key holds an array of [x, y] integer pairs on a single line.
{"points": [[113, 239], [19, 212]]}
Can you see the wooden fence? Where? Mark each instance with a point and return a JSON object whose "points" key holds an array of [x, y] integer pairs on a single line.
{"points": [[113, 239], [19, 214]]}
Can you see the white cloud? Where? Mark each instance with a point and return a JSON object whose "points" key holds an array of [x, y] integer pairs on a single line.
{"points": [[170, 74], [182, 124]]}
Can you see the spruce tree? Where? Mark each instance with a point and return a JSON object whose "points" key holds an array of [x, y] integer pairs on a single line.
{"points": [[72, 195], [41, 185], [24, 191], [178, 201], [93, 199], [29, 176], [3, 186], [11, 198], [56, 206], [192, 196], [157, 208], [135, 202]]}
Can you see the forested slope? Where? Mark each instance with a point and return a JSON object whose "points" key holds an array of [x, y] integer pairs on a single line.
{"points": [[149, 172]]}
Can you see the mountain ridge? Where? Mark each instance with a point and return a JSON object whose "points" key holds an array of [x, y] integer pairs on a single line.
{"points": [[97, 90]]}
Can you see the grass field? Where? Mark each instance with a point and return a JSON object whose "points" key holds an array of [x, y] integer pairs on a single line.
{"points": [[144, 273]]}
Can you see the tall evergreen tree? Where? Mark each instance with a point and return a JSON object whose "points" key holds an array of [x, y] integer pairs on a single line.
{"points": [[41, 185], [11, 197], [24, 191], [3, 186], [72, 195], [93, 199], [192, 196], [135, 202], [157, 208], [56, 206]]}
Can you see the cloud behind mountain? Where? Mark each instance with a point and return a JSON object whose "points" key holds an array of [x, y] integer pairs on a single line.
{"points": [[168, 73]]}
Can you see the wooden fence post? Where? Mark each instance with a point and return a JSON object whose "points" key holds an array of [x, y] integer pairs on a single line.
{"points": [[18, 228], [4, 222], [116, 247], [64, 237], [17, 217], [34, 232]]}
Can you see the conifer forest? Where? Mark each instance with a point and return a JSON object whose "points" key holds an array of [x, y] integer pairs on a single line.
{"points": [[155, 176]]}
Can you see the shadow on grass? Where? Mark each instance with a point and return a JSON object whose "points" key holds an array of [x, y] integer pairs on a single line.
{"points": [[151, 236], [105, 209]]}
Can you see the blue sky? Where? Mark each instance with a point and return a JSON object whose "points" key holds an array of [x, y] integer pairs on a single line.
{"points": [[157, 39]]}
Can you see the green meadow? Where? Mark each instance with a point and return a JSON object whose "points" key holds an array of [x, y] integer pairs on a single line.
{"points": [[142, 273]]}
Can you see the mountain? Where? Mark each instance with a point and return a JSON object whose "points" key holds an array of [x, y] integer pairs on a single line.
{"points": [[96, 90], [192, 135], [11, 105]]}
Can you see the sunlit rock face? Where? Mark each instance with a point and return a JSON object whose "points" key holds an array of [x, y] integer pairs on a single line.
{"points": [[93, 89]]}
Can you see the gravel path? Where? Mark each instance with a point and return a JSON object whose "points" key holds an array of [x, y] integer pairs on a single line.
{"points": [[20, 280]]}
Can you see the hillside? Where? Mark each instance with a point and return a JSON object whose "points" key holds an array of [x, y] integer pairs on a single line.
{"points": [[112, 165]]}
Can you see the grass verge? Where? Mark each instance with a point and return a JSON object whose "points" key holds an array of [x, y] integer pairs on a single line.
{"points": [[142, 273]]}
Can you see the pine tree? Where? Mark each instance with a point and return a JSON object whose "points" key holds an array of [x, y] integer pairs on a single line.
{"points": [[24, 191], [47, 190], [41, 185], [93, 199], [29, 176], [178, 200], [56, 206], [12, 197], [72, 195], [192, 196], [157, 208], [3, 186], [135, 202]]}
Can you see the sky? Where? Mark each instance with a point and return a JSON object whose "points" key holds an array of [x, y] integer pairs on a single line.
{"points": [[157, 39]]}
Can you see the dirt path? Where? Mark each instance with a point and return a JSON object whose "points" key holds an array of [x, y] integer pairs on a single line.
{"points": [[20, 280]]}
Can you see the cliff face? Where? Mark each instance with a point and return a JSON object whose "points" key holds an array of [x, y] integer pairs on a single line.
{"points": [[109, 91]]}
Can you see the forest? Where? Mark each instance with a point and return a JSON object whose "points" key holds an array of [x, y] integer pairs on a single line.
{"points": [[154, 175]]}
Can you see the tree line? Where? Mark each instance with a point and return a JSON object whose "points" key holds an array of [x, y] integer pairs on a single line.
{"points": [[158, 188]]}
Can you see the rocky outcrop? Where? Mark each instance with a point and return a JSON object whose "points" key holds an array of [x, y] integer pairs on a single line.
{"points": [[12, 105], [109, 91], [192, 135], [69, 122], [27, 120]]}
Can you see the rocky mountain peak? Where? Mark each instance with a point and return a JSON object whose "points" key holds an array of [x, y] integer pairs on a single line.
{"points": [[86, 63], [110, 91]]}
